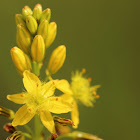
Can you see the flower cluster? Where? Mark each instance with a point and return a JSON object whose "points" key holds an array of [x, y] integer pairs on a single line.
{"points": [[35, 34]]}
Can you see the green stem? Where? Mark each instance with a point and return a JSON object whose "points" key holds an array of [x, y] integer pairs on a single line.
{"points": [[28, 129], [36, 68], [47, 77], [27, 135], [38, 127]]}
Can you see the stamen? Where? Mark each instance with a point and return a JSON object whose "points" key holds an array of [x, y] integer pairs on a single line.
{"points": [[94, 93], [89, 79], [83, 70], [97, 96]]}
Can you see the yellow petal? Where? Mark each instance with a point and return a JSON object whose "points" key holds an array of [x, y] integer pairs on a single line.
{"points": [[67, 98], [48, 89], [17, 98], [57, 105], [47, 120], [64, 86], [31, 82], [75, 115], [23, 116]]}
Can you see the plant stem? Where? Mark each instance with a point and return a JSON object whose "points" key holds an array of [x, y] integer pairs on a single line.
{"points": [[27, 135], [36, 68], [28, 129], [38, 127]]}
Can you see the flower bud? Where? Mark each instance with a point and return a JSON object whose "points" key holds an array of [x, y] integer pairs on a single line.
{"points": [[17, 135], [52, 30], [61, 125], [31, 24], [19, 19], [38, 48], [62, 121], [23, 38], [83, 136], [9, 128], [57, 59], [43, 29], [46, 14], [37, 11], [61, 129], [20, 60], [26, 11], [6, 112]]}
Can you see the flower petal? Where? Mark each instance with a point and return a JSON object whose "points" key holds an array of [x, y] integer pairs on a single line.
{"points": [[48, 89], [67, 98], [57, 105], [17, 98], [31, 82], [23, 116], [47, 120], [75, 115], [64, 86]]}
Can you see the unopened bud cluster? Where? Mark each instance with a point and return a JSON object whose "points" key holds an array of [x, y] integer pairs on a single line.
{"points": [[35, 33]]}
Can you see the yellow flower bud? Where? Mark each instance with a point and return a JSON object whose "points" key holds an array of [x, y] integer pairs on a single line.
{"points": [[26, 11], [46, 14], [23, 38], [19, 19], [43, 29], [38, 48], [52, 30], [20, 60], [6, 112], [57, 59], [17, 135], [31, 24], [37, 11]]}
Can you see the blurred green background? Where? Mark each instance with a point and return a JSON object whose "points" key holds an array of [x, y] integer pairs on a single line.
{"points": [[101, 36]]}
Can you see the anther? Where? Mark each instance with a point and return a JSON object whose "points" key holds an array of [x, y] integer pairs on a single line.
{"points": [[83, 70], [94, 93], [97, 96], [89, 79]]}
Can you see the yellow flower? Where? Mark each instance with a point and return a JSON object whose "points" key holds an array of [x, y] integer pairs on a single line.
{"points": [[78, 90], [38, 99]]}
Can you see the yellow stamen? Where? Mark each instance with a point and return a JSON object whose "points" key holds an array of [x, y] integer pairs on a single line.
{"points": [[97, 96], [83, 70], [89, 79], [94, 93]]}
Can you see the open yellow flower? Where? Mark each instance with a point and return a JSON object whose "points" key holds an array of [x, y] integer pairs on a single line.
{"points": [[78, 90], [38, 99]]}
